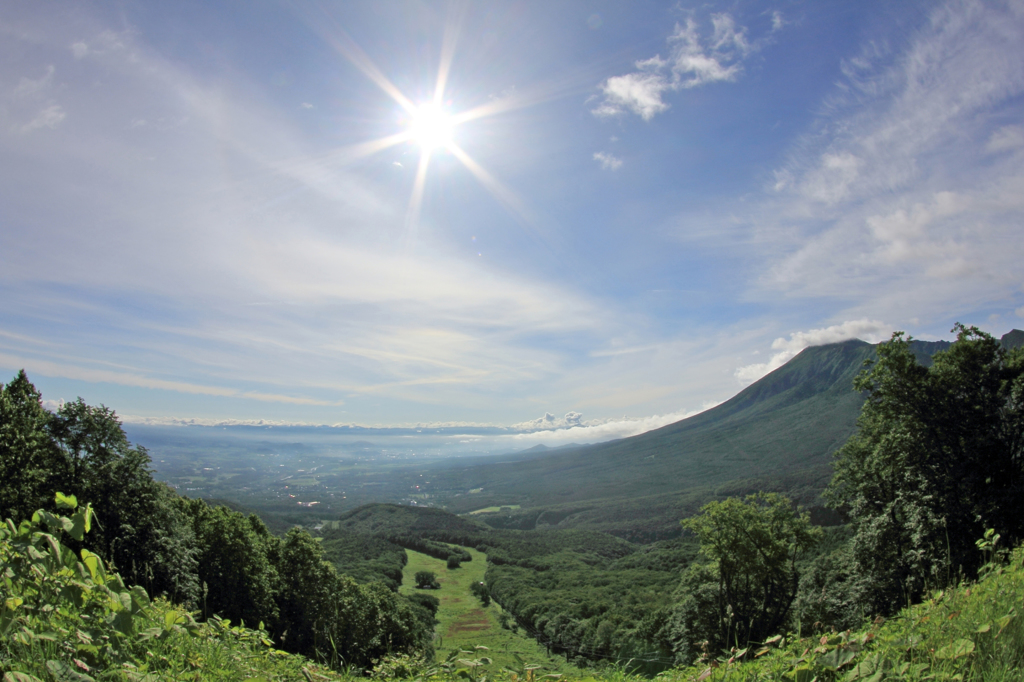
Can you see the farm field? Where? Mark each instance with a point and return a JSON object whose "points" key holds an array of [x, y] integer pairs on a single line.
{"points": [[465, 624]]}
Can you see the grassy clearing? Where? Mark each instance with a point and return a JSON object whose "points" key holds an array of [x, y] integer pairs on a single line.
{"points": [[465, 624], [494, 510]]}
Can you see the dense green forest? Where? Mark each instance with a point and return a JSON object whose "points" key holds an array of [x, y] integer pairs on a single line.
{"points": [[211, 559], [933, 473]]}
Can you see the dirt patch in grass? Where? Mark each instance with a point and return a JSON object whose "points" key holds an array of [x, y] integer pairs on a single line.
{"points": [[472, 621]]}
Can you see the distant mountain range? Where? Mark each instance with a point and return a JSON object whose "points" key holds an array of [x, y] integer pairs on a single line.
{"points": [[777, 434]]}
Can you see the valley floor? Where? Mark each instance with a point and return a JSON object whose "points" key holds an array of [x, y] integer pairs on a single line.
{"points": [[465, 624]]}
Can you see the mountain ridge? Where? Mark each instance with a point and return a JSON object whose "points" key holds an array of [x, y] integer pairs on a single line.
{"points": [[778, 433]]}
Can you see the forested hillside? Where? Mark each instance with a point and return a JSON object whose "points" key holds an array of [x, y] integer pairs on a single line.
{"points": [[209, 559]]}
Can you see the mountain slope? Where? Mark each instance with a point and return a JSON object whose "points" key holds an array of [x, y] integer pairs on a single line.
{"points": [[777, 434]]}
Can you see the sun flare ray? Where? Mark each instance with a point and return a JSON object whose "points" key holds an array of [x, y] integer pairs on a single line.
{"points": [[505, 196], [336, 37], [412, 213], [452, 29]]}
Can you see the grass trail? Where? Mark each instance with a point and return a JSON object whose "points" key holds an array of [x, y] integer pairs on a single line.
{"points": [[464, 623]]}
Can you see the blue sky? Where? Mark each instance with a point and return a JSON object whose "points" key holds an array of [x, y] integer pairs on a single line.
{"points": [[218, 211]]}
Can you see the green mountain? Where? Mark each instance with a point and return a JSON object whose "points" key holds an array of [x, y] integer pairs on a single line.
{"points": [[778, 434]]}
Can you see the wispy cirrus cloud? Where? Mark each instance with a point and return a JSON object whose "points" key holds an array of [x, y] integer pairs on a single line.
{"points": [[904, 199], [695, 59]]}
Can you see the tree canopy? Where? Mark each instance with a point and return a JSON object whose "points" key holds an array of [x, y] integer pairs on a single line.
{"points": [[211, 558], [937, 460], [744, 591]]}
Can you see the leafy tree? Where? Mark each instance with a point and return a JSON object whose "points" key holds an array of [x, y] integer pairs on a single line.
{"points": [[83, 449], [938, 458], [482, 592], [831, 593], [144, 533], [236, 564], [29, 458], [454, 561], [426, 580], [744, 591]]}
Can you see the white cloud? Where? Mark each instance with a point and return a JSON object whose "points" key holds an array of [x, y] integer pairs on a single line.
{"points": [[104, 42], [50, 117], [550, 422], [636, 92], [29, 87], [597, 431], [53, 405], [694, 61], [904, 196], [1006, 138], [1019, 312], [307, 105], [69, 371], [871, 331], [608, 161]]}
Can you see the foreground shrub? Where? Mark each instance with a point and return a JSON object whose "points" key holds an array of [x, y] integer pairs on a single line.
{"points": [[65, 617]]}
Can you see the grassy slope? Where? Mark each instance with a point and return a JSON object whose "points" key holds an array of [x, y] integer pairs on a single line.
{"points": [[972, 633], [464, 623]]}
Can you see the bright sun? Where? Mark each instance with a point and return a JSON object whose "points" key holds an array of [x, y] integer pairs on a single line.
{"points": [[431, 127]]}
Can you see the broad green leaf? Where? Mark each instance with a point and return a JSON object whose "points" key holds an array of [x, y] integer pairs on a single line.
{"points": [[62, 672], [123, 623], [957, 649], [66, 501], [81, 522], [54, 546], [868, 668], [140, 600], [94, 563], [837, 658], [20, 677], [801, 674]]}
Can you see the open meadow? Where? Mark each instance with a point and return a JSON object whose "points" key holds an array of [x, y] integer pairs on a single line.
{"points": [[464, 623]]}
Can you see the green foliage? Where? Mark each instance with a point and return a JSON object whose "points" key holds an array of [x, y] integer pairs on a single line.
{"points": [[481, 592], [227, 565], [68, 617], [938, 458], [27, 453], [237, 557], [831, 593], [426, 580], [972, 633], [744, 591], [363, 557], [82, 448]]}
